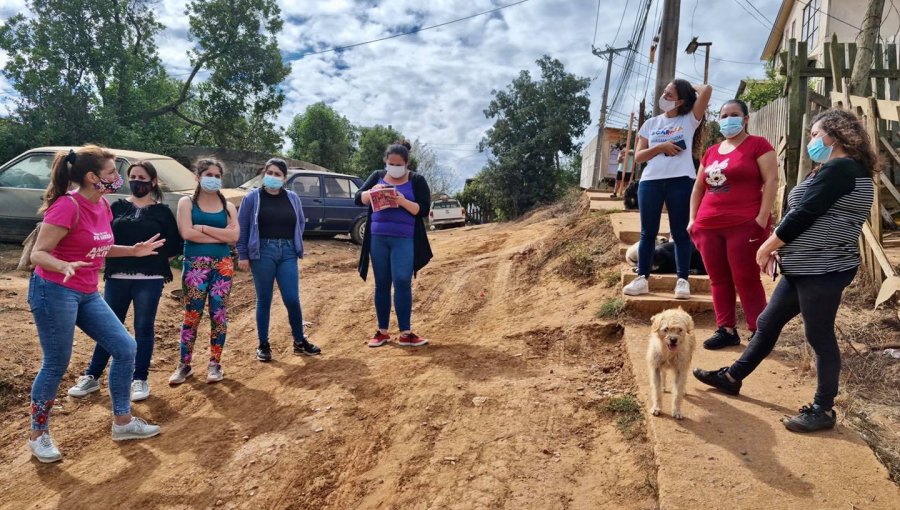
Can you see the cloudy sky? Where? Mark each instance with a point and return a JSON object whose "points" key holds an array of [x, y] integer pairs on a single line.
{"points": [[434, 85]]}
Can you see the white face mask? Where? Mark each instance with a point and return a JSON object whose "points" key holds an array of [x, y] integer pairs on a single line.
{"points": [[667, 106], [396, 171]]}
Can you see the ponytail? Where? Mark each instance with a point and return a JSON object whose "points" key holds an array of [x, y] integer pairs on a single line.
{"points": [[71, 168]]}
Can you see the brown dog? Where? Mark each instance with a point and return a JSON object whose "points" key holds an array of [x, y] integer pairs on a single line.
{"points": [[670, 347]]}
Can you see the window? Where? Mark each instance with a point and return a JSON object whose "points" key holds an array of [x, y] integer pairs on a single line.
{"points": [[811, 23], [446, 204], [32, 172], [337, 187], [306, 185]]}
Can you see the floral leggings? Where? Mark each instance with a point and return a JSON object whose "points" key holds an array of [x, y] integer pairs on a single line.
{"points": [[202, 278]]}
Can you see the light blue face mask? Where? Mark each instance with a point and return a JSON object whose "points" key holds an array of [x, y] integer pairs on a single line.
{"points": [[211, 184], [818, 151], [272, 182], [731, 126]]}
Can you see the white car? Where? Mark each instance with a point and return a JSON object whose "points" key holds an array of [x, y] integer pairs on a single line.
{"points": [[446, 212]]}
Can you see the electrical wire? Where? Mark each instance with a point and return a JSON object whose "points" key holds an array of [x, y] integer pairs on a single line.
{"points": [[751, 14], [596, 23], [622, 19], [760, 12], [416, 31]]}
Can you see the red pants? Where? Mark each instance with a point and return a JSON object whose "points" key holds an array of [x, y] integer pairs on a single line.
{"points": [[729, 255]]}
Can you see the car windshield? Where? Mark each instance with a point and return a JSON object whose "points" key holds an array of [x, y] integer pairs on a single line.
{"points": [[252, 183], [448, 204], [175, 176]]}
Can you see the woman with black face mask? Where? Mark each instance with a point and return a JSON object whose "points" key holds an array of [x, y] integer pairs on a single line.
{"points": [[136, 280]]}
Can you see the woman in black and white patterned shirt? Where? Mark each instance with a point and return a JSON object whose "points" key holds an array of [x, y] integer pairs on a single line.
{"points": [[816, 246]]}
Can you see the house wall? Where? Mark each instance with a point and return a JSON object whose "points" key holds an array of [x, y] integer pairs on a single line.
{"points": [[850, 11]]}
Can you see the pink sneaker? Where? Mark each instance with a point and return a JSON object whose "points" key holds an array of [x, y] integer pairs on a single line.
{"points": [[379, 339], [411, 340]]}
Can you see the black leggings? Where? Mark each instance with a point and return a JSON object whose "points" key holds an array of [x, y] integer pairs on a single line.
{"points": [[816, 298]]}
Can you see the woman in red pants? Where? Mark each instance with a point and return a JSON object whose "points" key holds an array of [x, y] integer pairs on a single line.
{"points": [[730, 218]]}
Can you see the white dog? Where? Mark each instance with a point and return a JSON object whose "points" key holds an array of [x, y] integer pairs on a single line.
{"points": [[670, 347]]}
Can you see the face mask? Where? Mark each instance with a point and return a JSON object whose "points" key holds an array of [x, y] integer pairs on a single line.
{"points": [[731, 126], [140, 189], [211, 184], [109, 187], [272, 182], [667, 106], [396, 171], [818, 151]]}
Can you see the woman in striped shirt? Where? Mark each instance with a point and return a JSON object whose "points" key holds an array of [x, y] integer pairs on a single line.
{"points": [[816, 246]]}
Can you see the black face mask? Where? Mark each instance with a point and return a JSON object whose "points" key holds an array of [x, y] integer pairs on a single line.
{"points": [[140, 189]]}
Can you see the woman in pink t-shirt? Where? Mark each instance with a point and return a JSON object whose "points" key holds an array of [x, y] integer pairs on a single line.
{"points": [[75, 237], [730, 218]]}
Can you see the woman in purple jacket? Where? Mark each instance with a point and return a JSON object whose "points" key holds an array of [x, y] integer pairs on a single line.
{"points": [[271, 241]]}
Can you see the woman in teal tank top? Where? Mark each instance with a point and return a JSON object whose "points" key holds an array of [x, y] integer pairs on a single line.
{"points": [[208, 224]]}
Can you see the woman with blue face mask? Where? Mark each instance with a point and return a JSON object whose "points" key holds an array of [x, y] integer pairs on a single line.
{"points": [[816, 247], [730, 218], [208, 224], [271, 222]]}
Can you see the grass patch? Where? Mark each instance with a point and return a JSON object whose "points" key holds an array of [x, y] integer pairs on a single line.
{"points": [[628, 411], [611, 308], [610, 278], [579, 265]]}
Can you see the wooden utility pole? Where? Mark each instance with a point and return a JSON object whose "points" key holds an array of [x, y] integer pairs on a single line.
{"points": [[668, 51], [608, 54], [865, 50], [629, 160]]}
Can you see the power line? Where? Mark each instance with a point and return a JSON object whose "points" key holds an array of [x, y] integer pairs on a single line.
{"points": [[416, 31], [596, 23], [624, 12], [751, 14], [760, 12]]}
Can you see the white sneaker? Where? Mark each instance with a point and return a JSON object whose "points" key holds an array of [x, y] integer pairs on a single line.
{"points": [[44, 449], [637, 287], [214, 373], [85, 385], [682, 289], [135, 429], [181, 373], [140, 390]]}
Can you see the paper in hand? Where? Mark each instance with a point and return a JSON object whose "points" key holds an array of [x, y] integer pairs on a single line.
{"points": [[383, 198]]}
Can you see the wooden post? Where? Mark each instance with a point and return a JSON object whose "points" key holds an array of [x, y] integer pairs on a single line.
{"points": [[797, 104], [626, 167], [805, 164], [872, 128]]}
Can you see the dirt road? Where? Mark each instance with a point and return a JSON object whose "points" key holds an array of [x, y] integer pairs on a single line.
{"points": [[507, 408]]}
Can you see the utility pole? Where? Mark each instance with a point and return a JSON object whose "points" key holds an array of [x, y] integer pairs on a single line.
{"points": [[608, 54], [692, 48], [871, 26], [665, 70]]}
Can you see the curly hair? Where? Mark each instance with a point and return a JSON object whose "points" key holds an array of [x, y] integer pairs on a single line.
{"points": [[846, 129]]}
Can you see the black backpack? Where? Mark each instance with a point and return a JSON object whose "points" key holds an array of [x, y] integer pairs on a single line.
{"points": [[631, 196]]}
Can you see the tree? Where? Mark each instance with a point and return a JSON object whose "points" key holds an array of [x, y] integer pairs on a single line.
{"points": [[322, 136], [369, 155], [537, 123], [759, 93], [89, 71], [441, 178], [871, 27]]}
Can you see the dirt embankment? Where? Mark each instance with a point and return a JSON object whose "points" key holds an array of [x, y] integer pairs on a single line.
{"points": [[521, 400]]}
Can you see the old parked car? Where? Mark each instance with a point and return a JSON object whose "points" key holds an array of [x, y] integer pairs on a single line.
{"points": [[446, 211], [24, 179], [328, 202]]}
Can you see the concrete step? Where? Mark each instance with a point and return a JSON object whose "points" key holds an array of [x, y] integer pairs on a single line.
{"points": [[655, 302], [604, 197], [627, 226], [666, 282], [608, 205]]}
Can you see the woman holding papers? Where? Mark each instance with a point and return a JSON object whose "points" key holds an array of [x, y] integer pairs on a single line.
{"points": [[395, 240]]}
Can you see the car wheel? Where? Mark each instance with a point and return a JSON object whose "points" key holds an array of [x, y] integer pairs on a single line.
{"points": [[358, 233]]}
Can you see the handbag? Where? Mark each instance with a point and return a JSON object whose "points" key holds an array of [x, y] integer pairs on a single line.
{"points": [[29, 242]]}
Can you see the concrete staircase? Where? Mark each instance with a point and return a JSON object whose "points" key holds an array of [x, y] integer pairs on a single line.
{"points": [[601, 201], [627, 227]]}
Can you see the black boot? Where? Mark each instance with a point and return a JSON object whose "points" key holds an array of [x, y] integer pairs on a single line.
{"points": [[717, 379], [722, 338]]}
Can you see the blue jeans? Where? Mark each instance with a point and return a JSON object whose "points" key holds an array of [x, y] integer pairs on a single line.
{"points": [[57, 310], [277, 262], [392, 263], [119, 294], [675, 193]]}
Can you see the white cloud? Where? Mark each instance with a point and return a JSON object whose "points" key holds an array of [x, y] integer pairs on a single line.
{"points": [[435, 85]]}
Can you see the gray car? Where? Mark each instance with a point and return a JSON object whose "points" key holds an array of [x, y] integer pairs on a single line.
{"points": [[24, 179]]}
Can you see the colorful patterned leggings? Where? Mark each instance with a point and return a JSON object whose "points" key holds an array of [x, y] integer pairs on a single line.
{"points": [[202, 278]]}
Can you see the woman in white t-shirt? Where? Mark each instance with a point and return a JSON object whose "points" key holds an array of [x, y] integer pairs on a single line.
{"points": [[666, 145]]}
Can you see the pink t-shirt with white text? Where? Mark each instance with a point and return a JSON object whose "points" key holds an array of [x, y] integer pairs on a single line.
{"points": [[89, 239]]}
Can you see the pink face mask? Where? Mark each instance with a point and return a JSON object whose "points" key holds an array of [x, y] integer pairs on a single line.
{"points": [[106, 188]]}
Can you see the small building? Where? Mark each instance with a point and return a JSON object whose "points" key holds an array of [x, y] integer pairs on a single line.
{"points": [[613, 137], [815, 21]]}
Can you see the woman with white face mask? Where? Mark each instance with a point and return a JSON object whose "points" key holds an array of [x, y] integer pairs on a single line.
{"points": [[665, 143], [271, 223], [730, 218], [396, 240]]}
